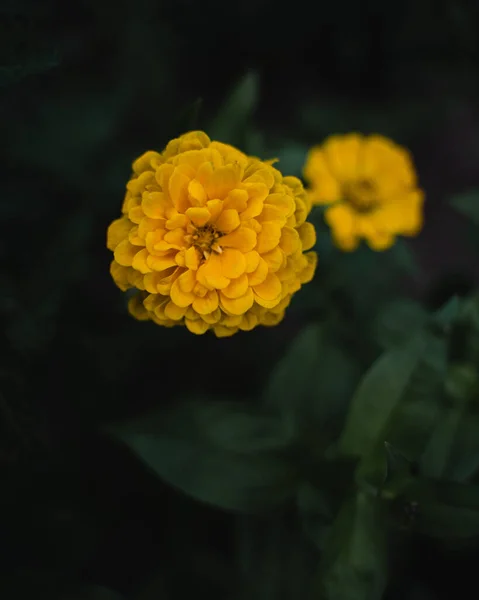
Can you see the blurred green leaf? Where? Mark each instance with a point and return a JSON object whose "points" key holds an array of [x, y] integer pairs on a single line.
{"points": [[222, 455], [397, 320], [443, 510], [274, 559], [311, 386], [232, 119], [378, 394], [467, 204], [354, 563]]}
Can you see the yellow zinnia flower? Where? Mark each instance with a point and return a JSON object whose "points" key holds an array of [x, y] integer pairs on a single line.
{"points": [[371, 184], [211, 238]]}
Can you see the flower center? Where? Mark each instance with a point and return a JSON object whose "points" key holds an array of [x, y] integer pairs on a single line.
{"points": [[205, 238], [362, 195]]}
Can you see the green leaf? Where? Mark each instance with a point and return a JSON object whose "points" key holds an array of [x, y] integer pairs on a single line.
{"points": [[233, 118], [354, 560], [275, 561], [311, 386], [467, 204], [443, 510], [397, 320], [411, 423], [219, 453], [378, 394]]}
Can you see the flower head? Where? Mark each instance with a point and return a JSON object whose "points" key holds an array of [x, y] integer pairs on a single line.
{"points": [[370, 183], [211, 238]]}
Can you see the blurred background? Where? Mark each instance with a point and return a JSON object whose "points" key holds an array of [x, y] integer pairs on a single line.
{"points": [[86, 87]]}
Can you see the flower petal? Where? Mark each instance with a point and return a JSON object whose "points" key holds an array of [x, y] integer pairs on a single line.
{"points": [[237, 306], [290, 241], [160, 263], [174, 312], [237, 200], [228, 221], [178, 190], [207, 304], [307, 233], [192, 258], [274, 258], [139, 261], [117, 232], [125, 253], [179, 297], [210, 273], [243, 239], [196, 192], [199, 326], [269, 237], [154, 204], [269, 289], [237, 287], [222, 181], [260, 273], [252, 261], [198, 215], [187, 281], [233, 263]]}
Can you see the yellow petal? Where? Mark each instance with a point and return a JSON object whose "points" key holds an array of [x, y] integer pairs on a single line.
{"points": [[324, 187], [187, 281], [380, 240], [136, 308], [173, 312], [210, 273], [160, 263], [146, 162], [252, 261], [307, 233], [233, 263], [178, 190], [117, 232], [307, 273], [179, 297], [175, 238], [342, 155], [341, 219], [198, 326], [260, 273], [192, 258], [263, 176], [199, 215], [222, 181], [125, 253], [213, 317], [257, 193], [270, 289], [148, 225], [222, 332], [289, 241], [243, 239], [228, 221], [237, 306], [237, 200], [282, 202], [196, 193], [154, 204], [269, 237], [248, 322], [237, 287], [215, 207], [136, 214], [274, 258], [177, 221], [139, 261], [207, 304], [119, 275]]}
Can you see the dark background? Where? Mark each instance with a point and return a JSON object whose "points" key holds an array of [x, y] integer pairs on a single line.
{"points": [[85, 88]]}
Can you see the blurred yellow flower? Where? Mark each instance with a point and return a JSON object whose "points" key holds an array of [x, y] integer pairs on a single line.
{"points": [[371, 185], [211, 238]]}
